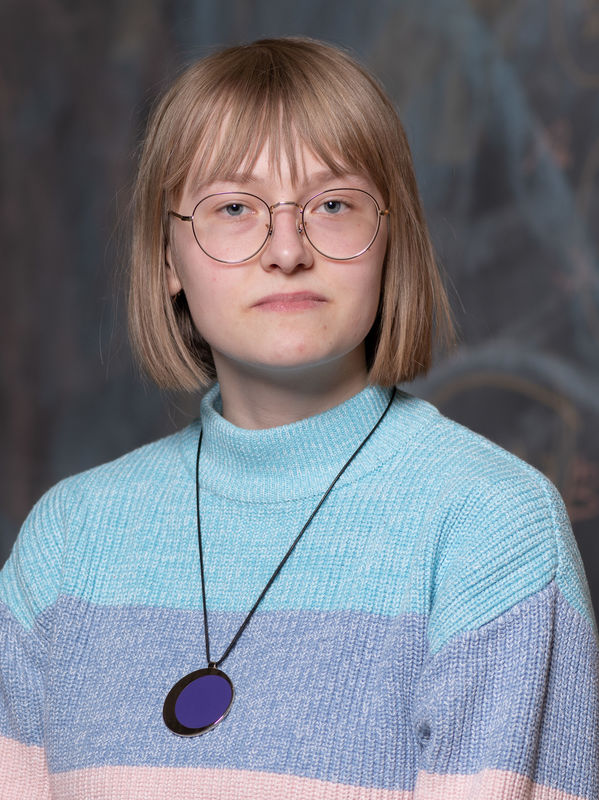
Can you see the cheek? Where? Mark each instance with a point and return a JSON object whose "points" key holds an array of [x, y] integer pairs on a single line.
{"points": [[370, 284], [204, 298], [208, 288], [213, 301]]}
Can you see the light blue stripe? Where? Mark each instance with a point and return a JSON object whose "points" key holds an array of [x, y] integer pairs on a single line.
{"points": [[30, 577], [450, 525], [134, 542]]}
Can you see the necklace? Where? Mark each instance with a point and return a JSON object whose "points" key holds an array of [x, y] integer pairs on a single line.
{"points": [[203, 698]]}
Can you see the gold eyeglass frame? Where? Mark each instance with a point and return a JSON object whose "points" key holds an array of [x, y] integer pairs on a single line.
{"points": [[301, 229]]}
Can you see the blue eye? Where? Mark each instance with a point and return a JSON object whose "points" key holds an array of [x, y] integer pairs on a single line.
{"points": [[334, 206], [234, 209]]}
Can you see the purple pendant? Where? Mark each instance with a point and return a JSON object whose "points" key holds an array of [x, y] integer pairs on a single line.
{"points": [[198, 702]]}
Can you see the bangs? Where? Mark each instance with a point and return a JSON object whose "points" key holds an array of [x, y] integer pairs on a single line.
{"points": [[278, 103], [236, 141]]}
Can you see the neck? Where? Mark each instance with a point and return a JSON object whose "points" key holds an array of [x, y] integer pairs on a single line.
{"points": [[257, 399]]}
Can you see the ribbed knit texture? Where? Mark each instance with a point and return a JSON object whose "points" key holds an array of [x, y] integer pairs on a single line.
{"points": [[431, 636]]}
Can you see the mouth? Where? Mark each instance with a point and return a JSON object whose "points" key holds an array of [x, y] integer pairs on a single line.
{"points": [[294, 301]]}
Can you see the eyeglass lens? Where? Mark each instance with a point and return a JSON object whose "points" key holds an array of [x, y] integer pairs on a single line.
{"points": [[233, 226]]}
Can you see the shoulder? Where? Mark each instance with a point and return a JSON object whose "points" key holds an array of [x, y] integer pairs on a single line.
{"points": [[502, 528], [459, 459], [103, 491], [467, 474], [487, 487], [146, 459], [137, 472], [98, 503], [479, 486]]}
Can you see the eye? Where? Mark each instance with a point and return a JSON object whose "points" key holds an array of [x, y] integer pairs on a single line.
{"points": [[234, 209], [333, 206]]}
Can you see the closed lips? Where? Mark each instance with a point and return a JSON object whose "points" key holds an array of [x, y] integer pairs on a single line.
{"points": [[289, 298]]}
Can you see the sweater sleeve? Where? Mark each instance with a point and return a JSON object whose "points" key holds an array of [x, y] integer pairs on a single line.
{"points": [[507, 705], [29, 584]]}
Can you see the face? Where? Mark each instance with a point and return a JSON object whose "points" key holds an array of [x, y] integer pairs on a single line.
{"points": [[227, 301]]}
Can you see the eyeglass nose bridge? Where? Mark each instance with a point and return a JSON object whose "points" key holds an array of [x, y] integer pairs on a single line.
{"points": [[286, 203]]}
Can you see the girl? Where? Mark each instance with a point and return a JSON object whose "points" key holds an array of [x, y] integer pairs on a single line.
{"points": [[321, 588]]}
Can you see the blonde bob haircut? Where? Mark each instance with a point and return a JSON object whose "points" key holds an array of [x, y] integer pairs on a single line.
{"points": [[214, 120]]}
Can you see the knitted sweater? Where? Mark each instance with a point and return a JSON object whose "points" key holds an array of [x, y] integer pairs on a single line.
{"points": [[430, 637]]}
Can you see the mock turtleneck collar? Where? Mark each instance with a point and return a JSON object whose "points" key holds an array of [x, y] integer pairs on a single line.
{"points": [[294, 460]]}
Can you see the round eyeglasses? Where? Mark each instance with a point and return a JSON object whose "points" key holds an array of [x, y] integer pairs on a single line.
{"points": [[232, 227]]}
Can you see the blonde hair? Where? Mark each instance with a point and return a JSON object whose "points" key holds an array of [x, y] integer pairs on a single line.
{"points": [[214, 120]]}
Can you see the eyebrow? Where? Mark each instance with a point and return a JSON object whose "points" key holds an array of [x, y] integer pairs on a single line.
{"points": [[245, 178]]}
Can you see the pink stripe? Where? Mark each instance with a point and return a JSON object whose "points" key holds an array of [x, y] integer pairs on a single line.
{"points": [[491, 783], [23, 771], [158, 783]]}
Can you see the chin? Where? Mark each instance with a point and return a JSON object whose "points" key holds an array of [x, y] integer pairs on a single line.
{"points": [[292, 362], [291, 357], [290, 365]]}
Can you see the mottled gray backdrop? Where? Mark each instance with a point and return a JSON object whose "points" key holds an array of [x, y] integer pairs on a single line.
{"points": [[501, 102]]}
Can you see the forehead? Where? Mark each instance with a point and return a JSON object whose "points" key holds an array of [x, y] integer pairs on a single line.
{"points": [[277, 152]]}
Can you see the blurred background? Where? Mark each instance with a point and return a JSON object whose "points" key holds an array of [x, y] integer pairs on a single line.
{"points": [[500, 99]]}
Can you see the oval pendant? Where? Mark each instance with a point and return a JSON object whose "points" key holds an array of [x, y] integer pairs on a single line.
{"points": [[198, 702]]}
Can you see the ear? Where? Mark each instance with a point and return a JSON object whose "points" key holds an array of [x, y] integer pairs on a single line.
{"points": [[172, 279]]}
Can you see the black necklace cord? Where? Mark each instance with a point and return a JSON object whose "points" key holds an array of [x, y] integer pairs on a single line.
{"points": [[210, 663], [244, 624]]}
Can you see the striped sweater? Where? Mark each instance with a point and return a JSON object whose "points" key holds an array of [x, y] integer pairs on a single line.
{"points": [[430, 637]]}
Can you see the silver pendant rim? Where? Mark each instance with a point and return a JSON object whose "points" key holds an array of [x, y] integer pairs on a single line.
{"points": [[168, 709]]}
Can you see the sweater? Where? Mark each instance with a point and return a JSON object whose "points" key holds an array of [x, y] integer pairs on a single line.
{"points": [[430, 637]]}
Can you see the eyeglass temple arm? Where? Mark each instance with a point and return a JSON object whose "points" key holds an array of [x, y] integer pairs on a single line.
{"points": [[181, 216]]}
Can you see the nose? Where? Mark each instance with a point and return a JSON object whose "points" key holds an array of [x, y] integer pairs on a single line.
{"points": [[286, 248]]}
